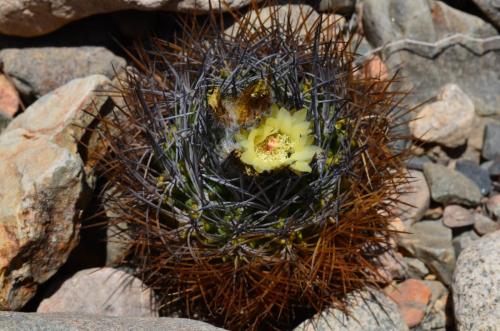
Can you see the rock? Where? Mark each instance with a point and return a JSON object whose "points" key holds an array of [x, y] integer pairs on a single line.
{"points": [[415, 268], [417, 163], [477, 174], [29, 18], [490, 8], [415, 198], [493, 205], [4, 122], [484, 225], [476, 285], [14, 321], [455, 217], [412, 297], [370, 311], [64, 114], [434, 44], [435, 317], [451, 187], [434, 213], [392, 266], [9, 98], [493, 167], [463, 240], [41, 200], [343, 7], [430, 242], [118, 243], [106, 292], [37, 71], [447, 121], [491, 147]]}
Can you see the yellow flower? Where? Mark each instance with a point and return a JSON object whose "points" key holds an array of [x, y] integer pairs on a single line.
{"points": [[281, 140]]}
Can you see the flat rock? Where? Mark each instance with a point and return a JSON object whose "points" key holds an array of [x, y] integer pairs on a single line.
{"points": [[493, 206], [29, 18], [415, 198], [434, 44], [415, 268], [447, 121], [491, 147], [37, 71], [41, 199], [484, 225], [451, 187], [9, 98], [430, 241], [476, 285], [14, 321], [370, 311], [477, 174], [412, 297], [455, 217], [114, 293], [490, 8]]}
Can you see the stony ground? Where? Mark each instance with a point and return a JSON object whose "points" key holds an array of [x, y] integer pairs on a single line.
{"points": [[445, 270]]}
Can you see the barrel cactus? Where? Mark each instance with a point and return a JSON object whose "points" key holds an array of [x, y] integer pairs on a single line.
{"points": [[254, 167]]}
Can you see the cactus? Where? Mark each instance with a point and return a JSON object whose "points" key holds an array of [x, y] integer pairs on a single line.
{"points": [[254, 168]]}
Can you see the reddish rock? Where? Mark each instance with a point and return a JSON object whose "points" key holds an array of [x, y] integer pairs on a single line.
{"points": [[412, 297], [9, 98], [455, 216]]}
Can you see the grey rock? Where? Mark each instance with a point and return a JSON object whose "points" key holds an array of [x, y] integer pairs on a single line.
{"points": [[14, 321], [433, 45], [4, 121], [430, 241], [463, 240], [476, 285], [484, 225], [491, 146], [492, 9], [37, 71], [477, 174], [417, 162], [492, 166], [455, 217], [114, 293], [451, 187], [371, 310], [343, 7], [415, 268]]}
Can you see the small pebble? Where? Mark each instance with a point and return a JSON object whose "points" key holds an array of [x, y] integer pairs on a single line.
{"points": [[455, 217], [484, 225]]}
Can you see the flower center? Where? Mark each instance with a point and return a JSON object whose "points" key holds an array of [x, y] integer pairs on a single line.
{"points": [[276, 147]]}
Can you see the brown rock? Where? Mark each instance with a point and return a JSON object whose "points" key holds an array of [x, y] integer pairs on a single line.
{"points": [[412, 297], [484, 225], [455, 216], [105, 292], [493, 205], [9, 98], [41, 200], [448, 121]]}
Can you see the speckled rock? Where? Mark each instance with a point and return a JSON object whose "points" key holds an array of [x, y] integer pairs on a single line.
{"points": [[475, 173], [476, 285], [37, 71], [450, 186], [430, 241], [371, 311], [28, 18], [13, 321], [113, 293], [447, 121]]}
